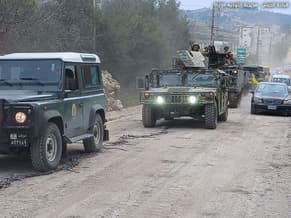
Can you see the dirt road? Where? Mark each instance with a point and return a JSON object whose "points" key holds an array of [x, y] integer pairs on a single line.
{"points": [[179, 169]]}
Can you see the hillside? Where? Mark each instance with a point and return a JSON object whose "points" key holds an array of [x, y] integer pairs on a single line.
{"points": [[228, 21]]}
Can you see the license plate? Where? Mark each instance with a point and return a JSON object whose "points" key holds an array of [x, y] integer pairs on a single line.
{"points": [[272, 107]]}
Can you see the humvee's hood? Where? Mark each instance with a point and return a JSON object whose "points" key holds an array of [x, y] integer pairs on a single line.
{"points": [[181, 90], [24, 96]]}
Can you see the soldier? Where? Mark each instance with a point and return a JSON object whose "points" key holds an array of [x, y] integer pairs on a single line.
{"points": [[195, 47]]}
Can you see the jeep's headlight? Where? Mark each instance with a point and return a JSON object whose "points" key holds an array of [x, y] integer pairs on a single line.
{"points": [[20, 117], [192, 99], [258, 100], [160, 100]]}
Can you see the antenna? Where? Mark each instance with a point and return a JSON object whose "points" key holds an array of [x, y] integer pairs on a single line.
{"points": [[212, 24]]}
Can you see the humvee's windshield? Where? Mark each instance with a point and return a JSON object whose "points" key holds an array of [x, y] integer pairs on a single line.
{"points": [[30, 73], [174, 79], [201, 79]]}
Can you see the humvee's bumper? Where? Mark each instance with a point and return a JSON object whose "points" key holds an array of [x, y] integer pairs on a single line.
{"points": [[196, 111]]}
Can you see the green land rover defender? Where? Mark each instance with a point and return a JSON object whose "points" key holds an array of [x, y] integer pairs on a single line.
{"points": [[49, 100]]}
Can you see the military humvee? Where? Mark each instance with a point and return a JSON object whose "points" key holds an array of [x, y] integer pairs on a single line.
{"points": [[196, 92], [49, 100]]}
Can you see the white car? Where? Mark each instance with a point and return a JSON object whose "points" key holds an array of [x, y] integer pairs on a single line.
{"points": [[281, 78]]}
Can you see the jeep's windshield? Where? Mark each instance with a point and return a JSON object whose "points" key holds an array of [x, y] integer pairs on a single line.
{"points": [[201, 79], [171, 79], [30, 74]]}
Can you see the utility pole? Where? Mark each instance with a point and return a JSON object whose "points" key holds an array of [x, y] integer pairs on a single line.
{"points": [[212, 25], [94, 27], [258, 44]]}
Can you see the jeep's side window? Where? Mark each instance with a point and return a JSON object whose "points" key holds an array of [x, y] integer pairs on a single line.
{"points": [[71, 80], [91, 76]]}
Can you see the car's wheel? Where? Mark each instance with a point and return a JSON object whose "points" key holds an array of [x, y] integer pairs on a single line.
{"points": [[95, 143], [253, 109], [223, 117], [210, 116], [46, 151], [148, 116]]}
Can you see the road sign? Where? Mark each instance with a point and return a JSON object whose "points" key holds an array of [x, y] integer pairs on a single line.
{"points": [[241, 55]]}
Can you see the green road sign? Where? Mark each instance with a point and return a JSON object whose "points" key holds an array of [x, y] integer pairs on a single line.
{"points": [[241, 55]]}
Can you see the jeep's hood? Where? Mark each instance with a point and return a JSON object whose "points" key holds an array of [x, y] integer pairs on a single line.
{"points": [[24, 96], [182, 90]]}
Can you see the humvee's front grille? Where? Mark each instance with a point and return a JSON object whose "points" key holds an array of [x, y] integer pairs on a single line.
{"points": [[177, 99]]}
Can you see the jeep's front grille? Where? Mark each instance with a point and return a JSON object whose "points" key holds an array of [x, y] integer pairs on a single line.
{"points": [[272, 101], [177, 99]]}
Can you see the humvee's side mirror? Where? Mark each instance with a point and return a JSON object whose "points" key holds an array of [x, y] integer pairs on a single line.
{"points": [[140, 83]]}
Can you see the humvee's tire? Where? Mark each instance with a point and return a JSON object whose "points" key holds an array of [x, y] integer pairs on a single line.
{"points": [[148, 117], [233, 103], [234, 100], [210, 116], [253, 109], [46, 151], [95, 143], [223, 117]]}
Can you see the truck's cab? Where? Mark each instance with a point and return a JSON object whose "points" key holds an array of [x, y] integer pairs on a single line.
{"points": [[49, 100]]}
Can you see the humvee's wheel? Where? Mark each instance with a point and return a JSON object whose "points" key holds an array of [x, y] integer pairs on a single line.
{"points": [[223, 117], [148, 116], [210, 116], [95, 143], [46, 151]]}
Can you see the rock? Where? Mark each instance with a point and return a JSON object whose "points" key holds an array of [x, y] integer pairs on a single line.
{"points": [[111, 89]]}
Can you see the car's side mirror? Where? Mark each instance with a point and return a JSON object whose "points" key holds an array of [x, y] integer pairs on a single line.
{"points": [[252, 92]]}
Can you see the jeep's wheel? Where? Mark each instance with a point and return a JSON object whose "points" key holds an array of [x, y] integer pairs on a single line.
{"points": [[210, 116], [223, 117], [253, 109], [46, 151], [148, 116], [95, 143]]}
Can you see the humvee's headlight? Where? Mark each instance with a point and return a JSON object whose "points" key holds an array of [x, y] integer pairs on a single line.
{"points": [[160, 100], [192, 99], [20, 117]]}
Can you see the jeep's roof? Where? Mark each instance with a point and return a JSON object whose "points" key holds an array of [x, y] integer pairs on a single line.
{"points": [[64, 56]]}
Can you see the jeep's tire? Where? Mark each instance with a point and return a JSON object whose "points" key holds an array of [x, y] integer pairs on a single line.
{"points": [[148, 117], [210, 116], [253, 109], [95, 143], [223, 117], [46, 151]]}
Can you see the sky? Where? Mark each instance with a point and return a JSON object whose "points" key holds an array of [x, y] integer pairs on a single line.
{"points": [[196, 4]]}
